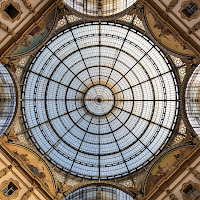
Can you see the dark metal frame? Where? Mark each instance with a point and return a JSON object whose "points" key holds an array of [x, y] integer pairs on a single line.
{"points": [[78, 91], [8, 99]]}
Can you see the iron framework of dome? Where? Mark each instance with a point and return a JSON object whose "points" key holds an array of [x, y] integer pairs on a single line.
{"points": [[100, 100], [7, 99], [192, 97], [97, 192], [100, 8]]}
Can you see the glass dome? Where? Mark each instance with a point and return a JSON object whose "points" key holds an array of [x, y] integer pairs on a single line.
{"points": [[7, 99], [103, 8], [95, 192], [192, 97], [100, 100]]}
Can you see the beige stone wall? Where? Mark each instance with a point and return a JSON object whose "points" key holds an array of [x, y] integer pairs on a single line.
{"points": [[185, 177], [16, 175]]}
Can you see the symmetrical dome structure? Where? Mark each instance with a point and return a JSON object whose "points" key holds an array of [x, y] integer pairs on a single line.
{"points": [[100, 100], [98, 192], [7, 99], [100, 8]]}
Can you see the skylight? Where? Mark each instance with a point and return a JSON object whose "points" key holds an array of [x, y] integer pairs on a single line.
{"points": [[100, 100], [7, 99], [101, 8]]}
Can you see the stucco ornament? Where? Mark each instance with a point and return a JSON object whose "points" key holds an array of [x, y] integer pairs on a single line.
{"points": [[27, 195], [172, 5], [16, 6], [4, 171]]}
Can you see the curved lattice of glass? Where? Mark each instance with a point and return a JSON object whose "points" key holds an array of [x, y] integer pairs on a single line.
{"points": [[192, 100], [97, 8], [100, 100], [95, 192], [7, 99]]}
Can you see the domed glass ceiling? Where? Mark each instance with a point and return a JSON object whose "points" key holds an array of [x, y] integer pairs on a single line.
{"points": [[100, 100], [7, 99], [99, 8], [96, 192], [192, 100]]}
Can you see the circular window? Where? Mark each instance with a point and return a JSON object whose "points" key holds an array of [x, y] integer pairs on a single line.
{"points": [[100, 100], [100, 9], [7, 99]]}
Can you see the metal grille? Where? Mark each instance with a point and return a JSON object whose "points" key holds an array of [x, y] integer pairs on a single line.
{"points": [[193, 100], [7, 99], [100, 100], [98, 193], [100, 8]]}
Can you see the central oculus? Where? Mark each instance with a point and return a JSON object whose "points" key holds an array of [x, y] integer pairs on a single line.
{"points": [[99, 100]]}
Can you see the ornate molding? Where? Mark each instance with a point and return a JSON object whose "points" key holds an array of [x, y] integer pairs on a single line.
{"points": [[4, 27], [4, 171], [195, 173], [5, 15], [14, 195], [183, 6], [171, 195], [28, 5], [27, 195], [171, 5], [185, 185], [195, 28]]}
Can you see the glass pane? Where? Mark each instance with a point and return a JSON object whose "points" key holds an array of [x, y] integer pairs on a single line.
{"points": [[100, 105]]}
